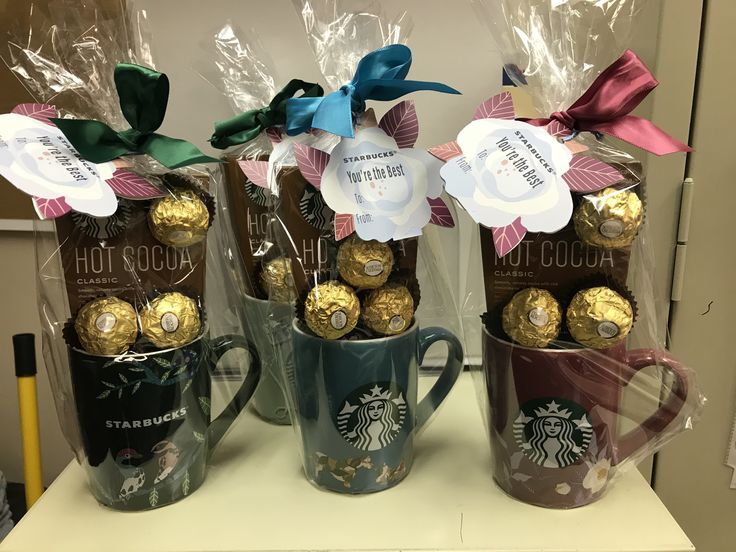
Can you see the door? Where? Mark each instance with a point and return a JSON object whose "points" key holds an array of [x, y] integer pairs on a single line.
{"points": [[690, 474]]}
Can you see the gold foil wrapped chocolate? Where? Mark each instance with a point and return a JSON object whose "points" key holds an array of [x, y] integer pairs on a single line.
{"points": [[106, 326], [170, 320], [609, 218], [389, 309], [599, 317], [364, 264], [331, 309], [277, 281], [532, 318], [180, 219]]}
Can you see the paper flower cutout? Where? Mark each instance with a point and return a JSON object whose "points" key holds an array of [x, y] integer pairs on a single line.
{"points": [[514, 177], [37, 159], [377, 183]]}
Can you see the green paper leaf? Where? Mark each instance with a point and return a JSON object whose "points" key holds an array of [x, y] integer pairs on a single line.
{"points": [[135, 387], [153, 497], [104, 394], [204, 402]]}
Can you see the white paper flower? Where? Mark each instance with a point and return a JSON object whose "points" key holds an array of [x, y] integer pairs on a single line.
{"points": [[562, 488], [36, 158], [385, 187], [597, 477], [508, 170]]}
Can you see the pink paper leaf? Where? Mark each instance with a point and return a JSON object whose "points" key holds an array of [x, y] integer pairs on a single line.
{"points": [[256, 171], [311, 162], [447, 151], [506, 238], [500, 106], [402, 124], [38, 111], [344, 226], [130, 185], [589, 175], [441, 215], [50, 208], [274, 134], [557, 129]]}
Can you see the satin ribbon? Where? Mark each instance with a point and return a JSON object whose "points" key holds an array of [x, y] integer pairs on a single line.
{"points": [[143, 94], [379, 76], [605, 108], [246, 126]]}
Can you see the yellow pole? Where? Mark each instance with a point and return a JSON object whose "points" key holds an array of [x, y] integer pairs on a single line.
{"points": [[25, 371]]}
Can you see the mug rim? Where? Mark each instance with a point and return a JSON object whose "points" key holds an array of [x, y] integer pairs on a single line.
{"points": [[295, 326], [576, 350], [129, 354]]}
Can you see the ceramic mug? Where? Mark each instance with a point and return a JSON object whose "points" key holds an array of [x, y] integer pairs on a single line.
{"points": [[356, 404], [145, 419], [554, 417], [272, 338]]}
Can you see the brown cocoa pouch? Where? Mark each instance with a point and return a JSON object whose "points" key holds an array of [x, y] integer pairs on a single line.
{"points": [[119, 255]]}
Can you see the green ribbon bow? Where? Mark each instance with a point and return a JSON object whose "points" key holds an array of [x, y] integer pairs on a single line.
{"points": [[143, 95], [246, 126]]}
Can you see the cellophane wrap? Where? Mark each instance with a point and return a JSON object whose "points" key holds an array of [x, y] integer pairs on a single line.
{"points": [[355, 399], [576, 384], [137, 308]]}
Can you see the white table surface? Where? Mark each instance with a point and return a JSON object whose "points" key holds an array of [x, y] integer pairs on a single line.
{"points": [[255, 497]]}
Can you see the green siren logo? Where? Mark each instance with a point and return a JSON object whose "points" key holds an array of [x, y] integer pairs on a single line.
{"points": [[372, 416], [553, 433]]}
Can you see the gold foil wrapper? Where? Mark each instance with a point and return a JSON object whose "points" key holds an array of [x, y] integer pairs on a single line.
{"points": [[532, 318], [388, 310], [364, 264], [609, 218], [106, 326], [170, 320], [277, 280], [599, 317], [180, 219], [331, 309]]}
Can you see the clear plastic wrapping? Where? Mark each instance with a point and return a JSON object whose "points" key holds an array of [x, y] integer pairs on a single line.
{"points": [[133, 334], [370, 295], [576, 384]]}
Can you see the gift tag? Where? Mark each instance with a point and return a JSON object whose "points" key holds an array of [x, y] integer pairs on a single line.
{"points": [[37, 159]]}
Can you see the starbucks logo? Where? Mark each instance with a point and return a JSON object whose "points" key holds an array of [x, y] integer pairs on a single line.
{"points": [[260, 196], [104, 227], [314, 209], [372, 416], [553, 433]]}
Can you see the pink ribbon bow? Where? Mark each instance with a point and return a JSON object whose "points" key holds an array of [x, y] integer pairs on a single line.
{"points": [[606, 105]]}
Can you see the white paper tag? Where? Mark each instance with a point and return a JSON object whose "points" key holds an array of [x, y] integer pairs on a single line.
{"points": [[385, 187], [37, 159], [510, 169]]}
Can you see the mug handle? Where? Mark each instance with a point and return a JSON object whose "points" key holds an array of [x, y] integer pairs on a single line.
{"points": [[636, 439], [452, 370], [220, 346]]}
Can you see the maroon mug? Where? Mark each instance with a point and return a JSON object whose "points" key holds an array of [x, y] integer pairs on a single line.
{"points": [[554, 417]]}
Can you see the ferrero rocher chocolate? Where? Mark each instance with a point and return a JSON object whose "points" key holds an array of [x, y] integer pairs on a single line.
{"points": [[609, 218], [277, 281], [599, 317], [331, 309], [364, 264], [106, 326], [388, 310], [170, 320], [180, 219], [532, 318]]}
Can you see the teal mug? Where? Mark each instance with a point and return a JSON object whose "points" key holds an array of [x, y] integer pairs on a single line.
{"points": [[356, 404]]}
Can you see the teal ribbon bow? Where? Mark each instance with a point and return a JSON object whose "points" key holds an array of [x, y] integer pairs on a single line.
{"points": [[248, 125], [379, 76], [143, 95]]}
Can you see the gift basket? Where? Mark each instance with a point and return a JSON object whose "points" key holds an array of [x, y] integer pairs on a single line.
{"points": [[258, 155], [370, 296], [132, 335], [576, 385]]}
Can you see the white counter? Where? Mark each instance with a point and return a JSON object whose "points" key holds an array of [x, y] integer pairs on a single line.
{"points": [[256, 498]]}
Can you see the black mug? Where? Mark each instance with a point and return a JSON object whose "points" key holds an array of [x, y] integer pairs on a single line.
{"points": [[145, 419]]}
